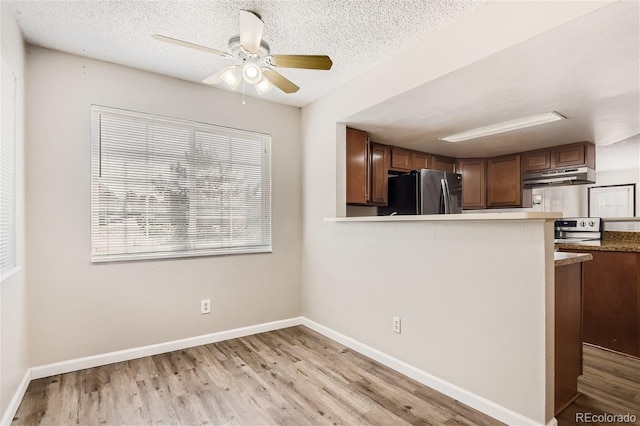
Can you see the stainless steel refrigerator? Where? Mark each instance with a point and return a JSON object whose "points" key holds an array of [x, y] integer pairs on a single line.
{"points": [[424, 191]]}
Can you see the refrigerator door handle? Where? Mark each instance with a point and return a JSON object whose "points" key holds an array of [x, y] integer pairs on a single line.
{"points": [[445, 195]]}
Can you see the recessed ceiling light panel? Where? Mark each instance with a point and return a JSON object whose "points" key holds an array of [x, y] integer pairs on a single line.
{"points": [[505, 126]]}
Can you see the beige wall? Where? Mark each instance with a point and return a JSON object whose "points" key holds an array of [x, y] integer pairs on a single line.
{"points": [[78, 308], [13, 301], [471, 296]]}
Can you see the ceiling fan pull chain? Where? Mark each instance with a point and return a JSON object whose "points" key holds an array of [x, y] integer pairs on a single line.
{"points": [[243, 102]]}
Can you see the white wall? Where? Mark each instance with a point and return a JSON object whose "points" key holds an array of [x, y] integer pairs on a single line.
{"points": [[472, 296], [13, 299], [78, 308]]}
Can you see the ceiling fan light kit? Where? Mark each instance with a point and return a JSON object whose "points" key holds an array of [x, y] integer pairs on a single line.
{"points": [[257, 63], [263, 86], [251, 73]]}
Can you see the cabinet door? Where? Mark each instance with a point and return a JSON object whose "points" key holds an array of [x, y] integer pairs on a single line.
{"points": [[379, 168], [400, 159], [610, 301], [536, 161], [504, 181], [357, 167], [568, 155], [568, 333], [419, 160], [473, 183], [445, 164]]}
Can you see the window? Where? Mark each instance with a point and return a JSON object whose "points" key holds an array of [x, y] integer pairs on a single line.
{"points": [[165, 187], [7, 169]]}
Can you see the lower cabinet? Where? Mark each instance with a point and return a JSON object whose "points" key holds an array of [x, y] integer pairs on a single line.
{"points": [[473, 182], [568, 333], [612, 301], [504, 181]]}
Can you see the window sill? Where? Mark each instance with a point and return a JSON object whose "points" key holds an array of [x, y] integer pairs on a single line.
{"points": [[9, 273]]}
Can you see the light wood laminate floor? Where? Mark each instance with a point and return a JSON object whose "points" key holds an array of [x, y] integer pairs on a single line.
{"points": [[286, 377], [610, 383]]}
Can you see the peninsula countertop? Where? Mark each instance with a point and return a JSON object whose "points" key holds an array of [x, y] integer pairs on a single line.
{"points": [[468, 217], [563, 259]]}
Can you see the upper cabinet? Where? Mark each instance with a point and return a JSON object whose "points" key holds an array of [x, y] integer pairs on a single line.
{"points": [[357, 167], [367, 166], [474, 184], [572, 155], [420, 160], [445, 164], [401, 160], [504, 181], [378, 174], [536, 161], [575, 154], [404, 160]]}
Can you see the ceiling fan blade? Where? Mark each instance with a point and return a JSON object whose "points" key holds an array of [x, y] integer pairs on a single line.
{"points": [[310, 62], [279, 81], [190, 45], [251, 27]]}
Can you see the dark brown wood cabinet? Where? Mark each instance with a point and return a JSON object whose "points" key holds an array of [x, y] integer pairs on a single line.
{"points": [[488, 183], [401, 160], [474, 183], [420, 160], [571, 155], [504, 181], [357, 167], [611, 301], [536, 161], [378, 170], [445, 164], [367, 166], [575, 154], [568, 333]]}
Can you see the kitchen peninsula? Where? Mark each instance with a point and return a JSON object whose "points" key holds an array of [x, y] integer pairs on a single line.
{"points": [[475, 292], [568, 326]]}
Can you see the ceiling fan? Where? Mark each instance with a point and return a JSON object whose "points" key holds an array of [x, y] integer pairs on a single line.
{"points": [[257, 62]]}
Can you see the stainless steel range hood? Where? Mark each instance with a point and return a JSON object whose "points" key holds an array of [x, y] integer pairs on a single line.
{"points": [[559, 177]]}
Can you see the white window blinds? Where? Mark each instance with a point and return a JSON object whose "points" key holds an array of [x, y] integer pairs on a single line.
{"points": [[165, 187], [7, 169]]}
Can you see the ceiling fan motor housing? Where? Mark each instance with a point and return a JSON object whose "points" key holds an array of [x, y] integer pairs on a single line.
{"points": [[236, 49]]}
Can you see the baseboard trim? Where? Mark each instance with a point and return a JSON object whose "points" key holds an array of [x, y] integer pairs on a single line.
{"points": [[159, 348], [477, 402], [481, 404], [12, 409]]}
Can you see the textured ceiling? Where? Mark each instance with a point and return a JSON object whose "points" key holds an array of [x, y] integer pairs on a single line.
{"points": [[587, 70], [357, 35]]}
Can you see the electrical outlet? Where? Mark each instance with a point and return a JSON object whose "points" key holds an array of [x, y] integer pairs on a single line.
{"points": [[205, 306], [396, 325]]}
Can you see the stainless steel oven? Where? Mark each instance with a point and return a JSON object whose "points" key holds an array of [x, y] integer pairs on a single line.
{"points": [[577, 229]]}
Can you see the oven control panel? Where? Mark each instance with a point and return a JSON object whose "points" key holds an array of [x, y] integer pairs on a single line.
{"points": [[584, 224]]}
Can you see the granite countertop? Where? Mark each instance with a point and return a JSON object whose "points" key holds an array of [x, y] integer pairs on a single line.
{"points": [[563, 259], [628, 242]]}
